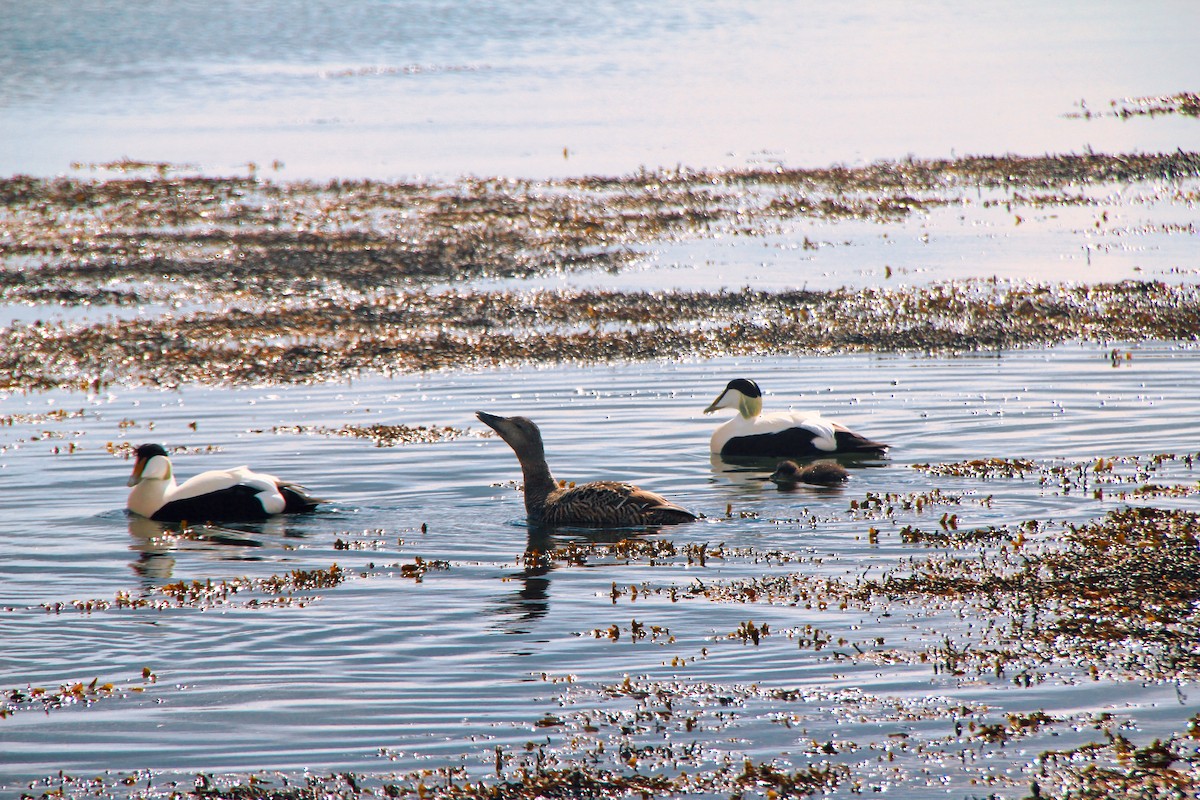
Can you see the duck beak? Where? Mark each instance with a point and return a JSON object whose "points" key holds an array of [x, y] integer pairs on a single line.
{"points": [[136, 477], [491, 420], [716, 404], [500, 425]]}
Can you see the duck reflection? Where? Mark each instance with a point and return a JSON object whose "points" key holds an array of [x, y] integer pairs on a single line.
{"points": [[544, 552], [789, 475], [154, 563], [748, 473], [156, 543], [531, 601]]}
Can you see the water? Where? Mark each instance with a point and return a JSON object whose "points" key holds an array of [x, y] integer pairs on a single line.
{"points": [[386, 673], [396, 88], [1138, 232]]}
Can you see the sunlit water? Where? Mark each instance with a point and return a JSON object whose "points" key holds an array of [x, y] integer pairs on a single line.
{"points": [[412, 87], [386, 673], [1141, 231]]}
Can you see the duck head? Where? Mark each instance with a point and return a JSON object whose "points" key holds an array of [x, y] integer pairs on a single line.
{"points": [[742, 394], [521, 434], [153, 464], [786, 474]]}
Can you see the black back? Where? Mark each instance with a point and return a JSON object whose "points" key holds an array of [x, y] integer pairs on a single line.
{"points": [[789, 442], [228, 505], [297, 498], [798, 442]]}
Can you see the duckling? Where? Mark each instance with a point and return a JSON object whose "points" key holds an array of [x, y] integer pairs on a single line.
{"points": [[236, 494], [819, 473], [600, 503], [752, 434]]}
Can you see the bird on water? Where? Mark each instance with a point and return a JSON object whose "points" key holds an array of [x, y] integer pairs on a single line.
{"points": [[789, 474], [600, 503], [753, 434], [231, 495]]}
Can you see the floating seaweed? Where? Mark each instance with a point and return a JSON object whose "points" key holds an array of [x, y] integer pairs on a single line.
{"points": [[293, 588], [1186, 104], [70, 694], [305, 345], [348, 266], [349, 270], [382, 435]]}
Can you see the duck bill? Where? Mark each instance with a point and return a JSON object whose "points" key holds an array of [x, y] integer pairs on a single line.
{"points": [[497, 423], [717, 404], [136, 477], [491, 420]]}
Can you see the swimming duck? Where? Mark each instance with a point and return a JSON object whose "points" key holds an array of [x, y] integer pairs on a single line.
{"points": [[754, 434], [605, 503], [819, 473], [217, 495]]}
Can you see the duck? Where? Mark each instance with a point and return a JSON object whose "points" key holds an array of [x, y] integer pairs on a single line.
{"points": [[230, 495], [819, 473], [752, 434], [600, 503]]}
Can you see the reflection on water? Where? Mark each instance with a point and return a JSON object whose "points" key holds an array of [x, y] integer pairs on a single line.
{"points": [[749, 471], [531, 601], [239, 680], [155, 561], [434, 666], [157, 542]]}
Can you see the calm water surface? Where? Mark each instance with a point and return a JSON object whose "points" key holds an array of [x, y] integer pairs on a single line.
{"points": [[396, 88], [387, 673]]}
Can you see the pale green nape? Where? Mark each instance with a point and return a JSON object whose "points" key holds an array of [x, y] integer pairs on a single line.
{"points": [[749, 407]]}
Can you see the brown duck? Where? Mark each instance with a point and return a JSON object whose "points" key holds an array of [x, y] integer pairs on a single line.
{"points": [[600, 503], [819, 473]]}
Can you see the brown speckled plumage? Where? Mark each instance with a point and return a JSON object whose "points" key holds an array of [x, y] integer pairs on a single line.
{"points": [[610, 503], [601, 503]]}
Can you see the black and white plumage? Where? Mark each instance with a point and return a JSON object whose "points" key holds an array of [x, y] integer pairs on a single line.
{"points": [[789, 474], [752, 434], [600, 503], [231, 495]]}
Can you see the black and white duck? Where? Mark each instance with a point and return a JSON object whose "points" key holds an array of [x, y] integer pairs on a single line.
{"points": [[600, 503], [753, 434], [230, 495]]}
